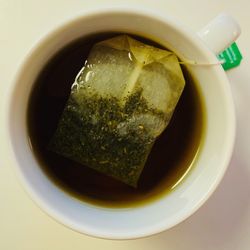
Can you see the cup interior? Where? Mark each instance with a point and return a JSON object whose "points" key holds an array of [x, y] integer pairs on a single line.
{"points": [[209, 164]]}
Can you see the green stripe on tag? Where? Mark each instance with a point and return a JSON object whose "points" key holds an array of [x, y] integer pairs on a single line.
{"points": [[231, 57]]}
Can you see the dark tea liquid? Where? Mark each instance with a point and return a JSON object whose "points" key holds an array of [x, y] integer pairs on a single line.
{"points": [[169, 161]]}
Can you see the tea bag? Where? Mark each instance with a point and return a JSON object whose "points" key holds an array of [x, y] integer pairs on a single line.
{"points": [[121, 101]]}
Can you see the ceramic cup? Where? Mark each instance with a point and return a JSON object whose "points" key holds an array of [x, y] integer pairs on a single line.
{"points": [[208, 166]]}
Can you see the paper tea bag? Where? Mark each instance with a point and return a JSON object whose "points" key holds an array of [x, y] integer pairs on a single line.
{"points": [[121, 101]]}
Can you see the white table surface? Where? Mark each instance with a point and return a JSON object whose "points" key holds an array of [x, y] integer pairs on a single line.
{"points": [[222, 223]]}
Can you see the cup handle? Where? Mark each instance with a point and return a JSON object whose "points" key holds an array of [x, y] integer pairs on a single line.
{"points": [[220, 32]]}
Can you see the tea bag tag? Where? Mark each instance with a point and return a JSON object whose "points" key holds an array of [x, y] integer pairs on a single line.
{"points": [[231, 57]]}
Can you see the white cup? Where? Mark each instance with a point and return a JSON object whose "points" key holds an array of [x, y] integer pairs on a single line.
{"points": [[209, 165]]}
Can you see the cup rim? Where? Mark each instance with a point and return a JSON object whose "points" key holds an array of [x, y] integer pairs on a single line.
{"points": [[195, 40]]}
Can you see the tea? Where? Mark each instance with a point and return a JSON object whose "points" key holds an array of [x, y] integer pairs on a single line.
{"points": [[169, 161]]}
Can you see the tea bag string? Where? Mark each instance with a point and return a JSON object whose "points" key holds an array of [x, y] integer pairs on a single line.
{"points": [[194, 63]]}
